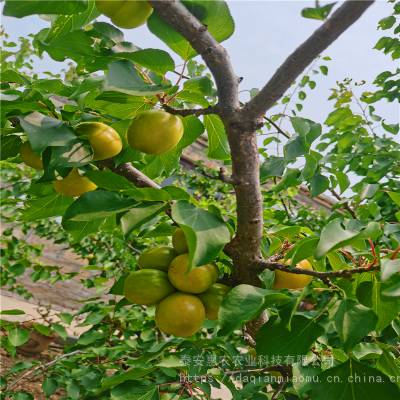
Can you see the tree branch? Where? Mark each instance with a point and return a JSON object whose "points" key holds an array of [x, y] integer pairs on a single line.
{"points": [[294, 65], [42, 367], [191, 111], [214, 55], [131, 173], [342, 273]]}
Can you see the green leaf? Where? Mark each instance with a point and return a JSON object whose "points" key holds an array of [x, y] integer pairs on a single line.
{"points": [[391, 128], [18, 336], [369, 293], [19, 9], [335, 235], [300, 125], [133, 390], [243, 303], [123, 77], [42, 329], [10, 146], [202, 85], [387, 23], [80, 229], [49, 386], [366, 351], [213, 14], [395, 196], [319, 13], [97, 204], [13, 311], [52, 205], [275, 339], [59, 330], [353, 381], [319, 184], [303, 249], [295, 147], [118, 378], [44, 131], [65, 24], [205, 232], [389, 268], [353, 321], [139, 215], [218, 147], [310, 166], [387, 363], [338, 115], [289, 179], [343, 181], [155, 60], [76, 45], [272, 166]]}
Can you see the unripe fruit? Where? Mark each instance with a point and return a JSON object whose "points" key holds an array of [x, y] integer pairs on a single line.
{"points": [[74, 184], [147, 286], [29, 157], [180, 314], [179, 241], [157, 258], [155, 132], [286, 280], [105, 141], [125, 13], [198, 280], [212, 299]]}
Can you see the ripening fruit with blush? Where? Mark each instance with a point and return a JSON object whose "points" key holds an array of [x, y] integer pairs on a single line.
{"points": [[155, 132], [212, 299], [157, 258], [29, 157], [198, 280], [147, 286], [74, 184], [286, 280], [105, 141], [180, 314], [179, 241], [125, 13]]}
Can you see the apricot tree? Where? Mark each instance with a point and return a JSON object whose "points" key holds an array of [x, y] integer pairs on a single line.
{"points": [[246, 217]]}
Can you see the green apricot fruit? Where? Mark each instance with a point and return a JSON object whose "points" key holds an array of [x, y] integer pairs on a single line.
{"points": [[147, 286], [157, 258]]}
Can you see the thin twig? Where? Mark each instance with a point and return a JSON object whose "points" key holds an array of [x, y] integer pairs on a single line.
{"points": [[42, 367], [277, 127], [343, 273], [191, 111], [344, 203]]}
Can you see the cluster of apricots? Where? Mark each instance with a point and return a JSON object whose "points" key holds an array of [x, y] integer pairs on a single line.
{"points": [[151, 132], [184, 297]]}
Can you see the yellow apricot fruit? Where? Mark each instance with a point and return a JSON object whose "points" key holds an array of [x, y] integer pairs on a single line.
{"points": [[286, 280], [147, 286], [158, 258], [74, 184], [180, 314], [179, 241], [125, 13], [212, 299], [29, 157], [155, 132], [105, 141], [198, 280]]}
